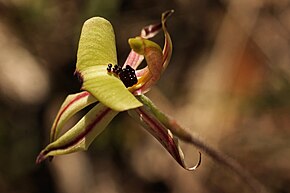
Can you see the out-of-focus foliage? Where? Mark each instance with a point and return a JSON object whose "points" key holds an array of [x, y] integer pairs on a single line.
{"points": [[229, 81]]}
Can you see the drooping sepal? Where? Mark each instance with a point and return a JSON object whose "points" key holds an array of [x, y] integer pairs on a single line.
{"points": [[166, 120], [162, 134], [80, 136]]}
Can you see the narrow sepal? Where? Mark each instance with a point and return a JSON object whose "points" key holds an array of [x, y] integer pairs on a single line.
{"points": [[166, 120], [167, 48], [71, 105], [82, 134]]}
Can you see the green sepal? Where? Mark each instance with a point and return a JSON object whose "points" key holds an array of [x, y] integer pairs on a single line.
{"points": [[71, 105], [82, 134]]}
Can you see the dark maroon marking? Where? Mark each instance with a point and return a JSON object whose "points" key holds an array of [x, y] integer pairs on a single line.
{"points": [[76, 140], [79, 76], [84, 94], [109, 68], [159, 129], [117, 69], [152, 28]]}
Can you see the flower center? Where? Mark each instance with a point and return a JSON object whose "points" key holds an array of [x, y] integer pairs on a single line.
{"points": [[127, 75]]}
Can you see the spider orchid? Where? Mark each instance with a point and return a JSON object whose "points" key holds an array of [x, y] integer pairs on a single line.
{"points": [[113, 89]]}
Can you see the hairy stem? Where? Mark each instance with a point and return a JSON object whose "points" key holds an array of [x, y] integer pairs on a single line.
{"points": [[196, 141]]}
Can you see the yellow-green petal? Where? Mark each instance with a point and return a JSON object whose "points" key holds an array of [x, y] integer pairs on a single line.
{"points": [[81, 135], [71, 105]]}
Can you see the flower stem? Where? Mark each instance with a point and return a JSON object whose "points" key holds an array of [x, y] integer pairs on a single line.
{"points": [[196, 141]]}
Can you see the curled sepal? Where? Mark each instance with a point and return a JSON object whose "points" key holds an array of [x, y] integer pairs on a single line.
{"points": [[82, 134], [134, 59], [151, 30], [71, 105], [167, 48], [108, 89], [162, 134]]}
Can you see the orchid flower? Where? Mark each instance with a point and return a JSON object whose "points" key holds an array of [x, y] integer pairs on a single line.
{"points": [[113, 89]]}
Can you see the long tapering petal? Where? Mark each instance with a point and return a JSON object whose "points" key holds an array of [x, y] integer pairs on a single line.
{"points": [[82, 134], [167, 49]]}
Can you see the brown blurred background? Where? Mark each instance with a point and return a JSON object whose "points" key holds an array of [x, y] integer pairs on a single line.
{"points": [[228, 81]]}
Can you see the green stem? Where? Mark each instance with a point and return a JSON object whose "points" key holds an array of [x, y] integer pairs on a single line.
{"points": [[196, 141]]}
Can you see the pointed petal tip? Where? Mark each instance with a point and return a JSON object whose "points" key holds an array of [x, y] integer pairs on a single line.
{"points": [[40, 158], [196, 165], [79, 76], [167, 14]]}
